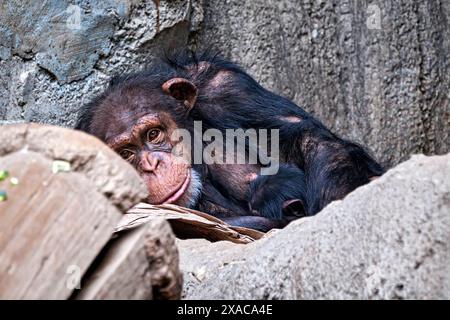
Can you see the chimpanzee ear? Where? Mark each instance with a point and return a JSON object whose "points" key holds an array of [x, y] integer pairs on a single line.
{"points": [[294, 208], [183, 90]]}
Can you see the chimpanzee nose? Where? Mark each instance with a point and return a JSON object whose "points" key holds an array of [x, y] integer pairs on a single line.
{"points": [[149, 162]]}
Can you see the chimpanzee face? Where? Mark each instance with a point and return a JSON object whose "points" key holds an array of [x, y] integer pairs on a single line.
{"points": [[147, 146], [136, 127]]}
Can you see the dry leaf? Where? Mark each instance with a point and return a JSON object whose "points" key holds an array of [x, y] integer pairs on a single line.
{"points": [[188, 223]]}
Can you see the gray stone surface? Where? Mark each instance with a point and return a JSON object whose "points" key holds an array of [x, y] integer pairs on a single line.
{"points": [[382, 80], [374, 71], [386, 240], [54, 223], [114, 178], [141, 263], [56, 55]]}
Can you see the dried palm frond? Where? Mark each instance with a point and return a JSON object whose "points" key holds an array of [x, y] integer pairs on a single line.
{"points": [[188, 223]]}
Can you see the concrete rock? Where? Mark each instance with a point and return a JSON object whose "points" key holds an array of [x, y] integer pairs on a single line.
{"points": [[111, 176], [386, 240], [141, 263], [376, 72], [65, 193], [55, 56]]}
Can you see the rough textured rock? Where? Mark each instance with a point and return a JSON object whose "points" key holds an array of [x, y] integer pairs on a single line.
{"points": [[55, 222], [141, 263], [111, 176], [55, 55], [374, 71], [386, 240]]}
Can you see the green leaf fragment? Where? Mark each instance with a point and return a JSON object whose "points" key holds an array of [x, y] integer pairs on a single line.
{"points": [[3, 196], [3, 174]]}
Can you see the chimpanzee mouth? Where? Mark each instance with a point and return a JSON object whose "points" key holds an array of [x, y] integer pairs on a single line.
{"points": [[175, 195]]}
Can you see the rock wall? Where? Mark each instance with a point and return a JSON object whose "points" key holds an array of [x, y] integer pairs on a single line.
{"points": [[389, 239], [56, 55], [374, 71]]}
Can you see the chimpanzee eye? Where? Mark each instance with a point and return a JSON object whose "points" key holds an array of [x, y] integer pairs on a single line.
{"points": [[153, 134], [127, 154]]}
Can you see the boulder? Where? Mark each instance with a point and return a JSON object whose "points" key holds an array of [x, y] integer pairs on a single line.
{"points": [[107, 172], [141, 263], [63, 193], [389, 239]]}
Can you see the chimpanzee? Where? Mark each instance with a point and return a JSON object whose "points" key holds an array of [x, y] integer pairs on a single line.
{"points": [[138, 113]]}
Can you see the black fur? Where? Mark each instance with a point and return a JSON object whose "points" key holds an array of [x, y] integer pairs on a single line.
{"points": [[322, 166], [268, 194], [333, 166]]}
